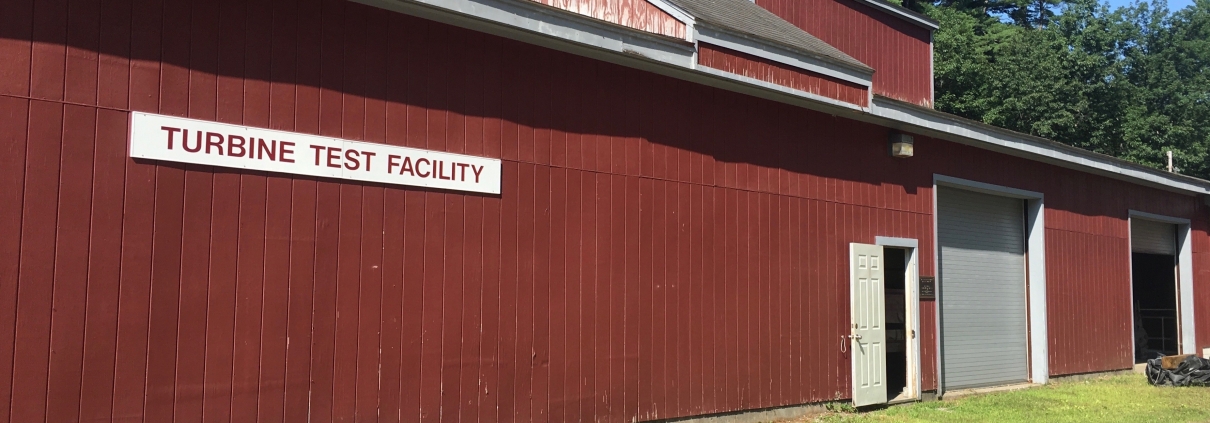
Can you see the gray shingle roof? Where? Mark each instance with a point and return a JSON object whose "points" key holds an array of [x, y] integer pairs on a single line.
{"points": [[746, 18]]}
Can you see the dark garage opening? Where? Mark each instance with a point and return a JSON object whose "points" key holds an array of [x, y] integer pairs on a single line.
{"points": [[1155, 326], [896, 318]]}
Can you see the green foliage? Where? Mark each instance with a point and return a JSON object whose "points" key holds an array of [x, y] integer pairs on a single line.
{"points": [[1105, 400], [1132, 82]]}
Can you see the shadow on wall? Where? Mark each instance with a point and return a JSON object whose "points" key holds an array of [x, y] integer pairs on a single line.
{"points": [[303, 65]]}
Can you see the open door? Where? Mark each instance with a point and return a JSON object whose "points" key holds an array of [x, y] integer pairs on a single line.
{"points": [[867, 338]]}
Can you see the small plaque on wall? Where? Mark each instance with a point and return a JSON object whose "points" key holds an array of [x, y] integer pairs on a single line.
{"points": [[928, 287]]}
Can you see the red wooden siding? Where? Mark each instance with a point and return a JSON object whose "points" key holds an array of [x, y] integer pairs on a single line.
{"points": [[741, 63], [662, 251], [637, 14], [900, 52]]}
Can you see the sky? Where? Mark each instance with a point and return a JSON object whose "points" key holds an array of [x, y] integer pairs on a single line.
{"points": [[1173, 5]]}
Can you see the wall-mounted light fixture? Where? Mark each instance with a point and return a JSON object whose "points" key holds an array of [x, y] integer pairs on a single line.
{"points": [[901, 145]]}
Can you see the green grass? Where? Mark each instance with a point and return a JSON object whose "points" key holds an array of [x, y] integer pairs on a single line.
{"points": [[1125, 398]]}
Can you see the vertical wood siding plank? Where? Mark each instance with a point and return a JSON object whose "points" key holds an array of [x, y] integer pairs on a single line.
{"points": [[104, 268], [174, 61], [453, 280], [14, 136], [70, 263], [165, 293], [489, 377], [348, 292], [276, 302], [303, 247], [603, 275], [186, 403], [48, 56], [559, 278], [617, 298], [217, 302], [633, 298], [508, 291], [129, 386], [229, 83], [114, 58], [472, 336], [370, 303], [392, 306], [646, 198], [684, 293], [413, 280], [697, 371], [83, 37], [327, 271], [432, 292], [523, 384], [659, 289], [16, 35], [145, 44], [540, 355], [730, 296]]}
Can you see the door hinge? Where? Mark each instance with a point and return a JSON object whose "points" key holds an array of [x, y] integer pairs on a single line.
{"points": [[912, 334]]}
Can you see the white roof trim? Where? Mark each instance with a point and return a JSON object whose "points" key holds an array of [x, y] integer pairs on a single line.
{"points": [[722, 38], [534, 23], [899, 12]]}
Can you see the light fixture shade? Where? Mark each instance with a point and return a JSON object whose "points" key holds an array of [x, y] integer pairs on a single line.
{"points": [[901, 145]]}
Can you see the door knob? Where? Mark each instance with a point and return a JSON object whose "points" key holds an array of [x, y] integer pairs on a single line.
{"points": [[857, 336]]}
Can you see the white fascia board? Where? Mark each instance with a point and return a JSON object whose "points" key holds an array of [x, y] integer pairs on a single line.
{"points": [[900, 13], [939, 125], [539, 24], [722, 38]]}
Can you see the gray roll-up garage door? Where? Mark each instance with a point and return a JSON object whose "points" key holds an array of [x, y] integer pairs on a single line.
{"points": [[1152, 237], [983, 307]]}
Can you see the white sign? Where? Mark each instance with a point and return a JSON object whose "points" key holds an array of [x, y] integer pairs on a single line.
{"points": [[183, 140]]}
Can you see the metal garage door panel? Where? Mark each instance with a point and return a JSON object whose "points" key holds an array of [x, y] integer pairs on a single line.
{"points": [[1152, 237], [984, 313]]}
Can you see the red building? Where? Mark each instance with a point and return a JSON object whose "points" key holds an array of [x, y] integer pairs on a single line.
{"points": [[678, 208]]}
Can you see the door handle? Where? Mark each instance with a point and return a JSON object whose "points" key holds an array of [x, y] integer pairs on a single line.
{"points": [[856, 336]]}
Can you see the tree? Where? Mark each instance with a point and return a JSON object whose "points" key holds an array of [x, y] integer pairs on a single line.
{"points": [[1131, 82]]}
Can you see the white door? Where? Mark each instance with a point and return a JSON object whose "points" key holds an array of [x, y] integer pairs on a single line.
{"points": [[867, 339]]}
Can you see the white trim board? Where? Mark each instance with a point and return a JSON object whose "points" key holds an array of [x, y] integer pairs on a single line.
{"points": [[932, 26], [1184, 264], [1035, 258]]}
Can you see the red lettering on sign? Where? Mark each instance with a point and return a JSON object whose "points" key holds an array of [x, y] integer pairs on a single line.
{"points": [[171, 131], [407, 166], [426, 174], [477, 170], [318, 149], [286, 150], [391, 162], [210, 142], [368, 155], [333, 154], [262, 148], [351, 157], [232, 145], [462, 167], [185, 141]]}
